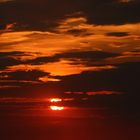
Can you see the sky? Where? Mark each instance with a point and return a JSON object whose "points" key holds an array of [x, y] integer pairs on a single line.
{"points": [[74, 49]]}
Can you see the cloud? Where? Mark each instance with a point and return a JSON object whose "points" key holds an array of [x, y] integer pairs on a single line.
{"points": [[46, 15], [7, 61], [8, 86], [45, 68], [31, 75], [8, 54], [132, 56], [92, 93], [22, 78], [61, 68], [102, 93], [124, 79], [118, 34], [50, 43], [74, 56], [48, 79], [12, 58], [58, 44], [79, 32], [114, 13], [22, 100]]}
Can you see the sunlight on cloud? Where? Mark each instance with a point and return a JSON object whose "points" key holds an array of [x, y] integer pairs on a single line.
{"points": [[14, 37], [72, 23], [47, 79], [45, 43], [107, 38], [103, 93], [96, 29], [91, 37], [62, 68]]}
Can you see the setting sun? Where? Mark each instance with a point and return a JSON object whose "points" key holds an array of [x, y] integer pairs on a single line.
{"points": [[55, 108], [55, 100]]}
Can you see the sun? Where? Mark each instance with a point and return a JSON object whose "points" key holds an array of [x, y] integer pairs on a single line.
{"points": [[52, 100], [55, 108]]}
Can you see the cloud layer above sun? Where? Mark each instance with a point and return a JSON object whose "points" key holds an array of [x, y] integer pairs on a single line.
{"points": [[69, 46]]}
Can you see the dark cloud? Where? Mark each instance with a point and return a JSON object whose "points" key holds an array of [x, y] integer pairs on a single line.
{"points": [[83, 55], [41, 60], [7, 59], [14, 53], [114, 13], [118, 34], [35, 15], [44, 15], [80, 32], [124, 79], [20, 83], [87, 54], [31, 75]]}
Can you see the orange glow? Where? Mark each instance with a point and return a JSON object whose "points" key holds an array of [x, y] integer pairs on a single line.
{"points": [[62, 68], [55, 108], [55, 100], [10, 26]]}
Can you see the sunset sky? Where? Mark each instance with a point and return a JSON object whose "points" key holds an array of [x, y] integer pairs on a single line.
{"points": [[69, 69], [70, 48]]}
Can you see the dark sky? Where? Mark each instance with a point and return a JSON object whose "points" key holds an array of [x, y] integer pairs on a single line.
{"points": [[70, 48]]}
